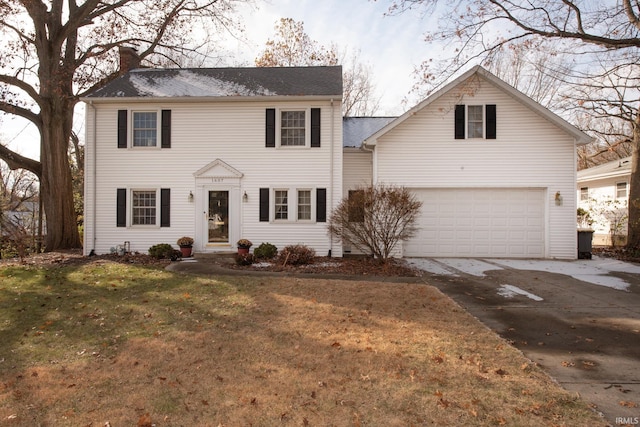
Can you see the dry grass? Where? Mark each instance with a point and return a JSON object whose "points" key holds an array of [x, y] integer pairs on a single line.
{"points": [[129, 345]]}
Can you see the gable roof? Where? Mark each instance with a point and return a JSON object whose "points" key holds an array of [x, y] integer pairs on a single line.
{"points": [[580, 137], [224, 83], [357, 129], [613, 169]]}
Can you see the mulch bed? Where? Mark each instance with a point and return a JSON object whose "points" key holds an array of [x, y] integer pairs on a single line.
{"points": [[362, 266], [359, 266]]}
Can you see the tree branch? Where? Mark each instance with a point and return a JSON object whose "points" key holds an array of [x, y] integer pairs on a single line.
{"points": [[16, 161]]}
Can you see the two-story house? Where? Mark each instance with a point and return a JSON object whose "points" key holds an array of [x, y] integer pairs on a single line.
{"points": [[215, 154], [257, 153]]}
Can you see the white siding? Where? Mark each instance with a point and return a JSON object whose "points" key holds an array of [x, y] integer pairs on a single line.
{"points": [[529, 152], [357, 172], [357, 169], [202, 132]]}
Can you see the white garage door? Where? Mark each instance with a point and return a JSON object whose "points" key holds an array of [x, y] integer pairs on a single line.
{"points": [[479, 223]]}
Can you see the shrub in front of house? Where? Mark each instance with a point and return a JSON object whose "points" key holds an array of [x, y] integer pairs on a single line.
{"points": [[265, 251], [296, 255], [164, 251], [244, 259]]}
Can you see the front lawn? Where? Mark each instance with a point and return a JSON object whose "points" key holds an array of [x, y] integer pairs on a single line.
{"points": [[130, 345]]}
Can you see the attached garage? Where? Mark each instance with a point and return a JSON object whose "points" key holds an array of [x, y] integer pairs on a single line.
{"points": [[480, 222]]}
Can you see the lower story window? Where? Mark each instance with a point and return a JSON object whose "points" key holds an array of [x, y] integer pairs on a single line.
{"points": [[143, 208], [304, 204], [282, 204]]}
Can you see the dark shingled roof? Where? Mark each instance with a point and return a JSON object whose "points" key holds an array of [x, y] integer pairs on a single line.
{"points": [[225, 82], [357, 129]]}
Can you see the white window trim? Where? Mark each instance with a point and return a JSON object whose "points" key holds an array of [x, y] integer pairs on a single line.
{"points": [[273, 205], [626, 186], [292, 205], [307, 128], [130, 208], [158, 128], [484, 119], [311, 205]]}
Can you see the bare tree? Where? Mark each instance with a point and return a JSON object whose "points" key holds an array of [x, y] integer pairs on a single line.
{"points": [[292, 47], [359, 98], [374, 219], [18, 212], [602, 39], [54, 52]]}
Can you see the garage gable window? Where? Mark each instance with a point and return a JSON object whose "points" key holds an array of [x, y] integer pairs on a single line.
{"points": [[475, 121]]}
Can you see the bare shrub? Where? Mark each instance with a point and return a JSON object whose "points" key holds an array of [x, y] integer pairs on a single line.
{"points": [[374, 219], [296, 255]]}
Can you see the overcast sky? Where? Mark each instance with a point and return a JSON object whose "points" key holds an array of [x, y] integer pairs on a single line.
{"points": [[391, 45]]}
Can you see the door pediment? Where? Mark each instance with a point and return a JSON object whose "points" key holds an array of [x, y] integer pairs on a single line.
{"points": [[218, 169]]}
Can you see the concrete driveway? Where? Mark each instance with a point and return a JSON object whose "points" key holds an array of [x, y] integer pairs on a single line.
{"points": [[579, 320]]}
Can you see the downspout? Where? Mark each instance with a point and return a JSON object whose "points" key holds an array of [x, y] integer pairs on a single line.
{"points": [[93, 179], [331, 167]]}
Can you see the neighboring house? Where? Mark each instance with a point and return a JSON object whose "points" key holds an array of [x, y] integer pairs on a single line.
{"points": [[495, 170], [603, 191], [215, 154]]}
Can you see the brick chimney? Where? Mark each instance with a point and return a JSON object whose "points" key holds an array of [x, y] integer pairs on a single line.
{"points": [[129, 59]]}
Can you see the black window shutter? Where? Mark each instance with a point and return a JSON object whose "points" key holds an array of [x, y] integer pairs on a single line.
{"points": [[121, 208], [315, 127], [321, 205], [459, 119], [166, 129], [491, 121], [270, 139], [165, 207], [264, 204], [122, 128]]}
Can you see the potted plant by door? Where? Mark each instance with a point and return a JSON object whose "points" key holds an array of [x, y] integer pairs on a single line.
{"points": [[243, 246], [186, 244]]}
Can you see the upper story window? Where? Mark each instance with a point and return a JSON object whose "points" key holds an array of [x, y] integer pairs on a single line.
{"points": [[145, 129], [475, 121], [293, 126], [621, 190], [584, 193]]}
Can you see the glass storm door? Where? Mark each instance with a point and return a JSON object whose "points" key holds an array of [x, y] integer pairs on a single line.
{"points": [[218, 217]]}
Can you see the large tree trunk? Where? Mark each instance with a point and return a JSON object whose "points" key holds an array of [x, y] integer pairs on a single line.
{"points": [[56, 180], [633, 239]]}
